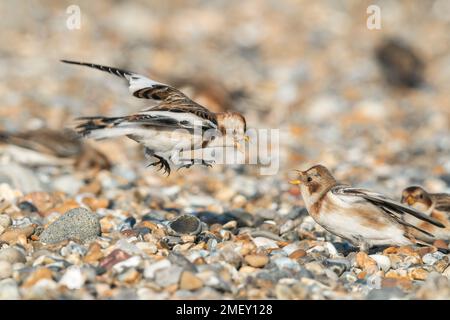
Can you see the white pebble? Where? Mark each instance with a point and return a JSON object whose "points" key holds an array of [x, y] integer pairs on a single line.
{"points": [[149, 271], [132, 262], [429, 259], [331, 249], [290, 248], [73, 278], [382, 261], [266, 243]]}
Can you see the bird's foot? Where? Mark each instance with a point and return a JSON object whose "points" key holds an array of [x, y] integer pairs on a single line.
{"points": [[207, 163], [187, 164], [162, 163]]}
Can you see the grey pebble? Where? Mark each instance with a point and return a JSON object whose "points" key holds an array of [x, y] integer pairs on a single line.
{"points": [[12, 255], [385, 294], [168, 276], [5, 269], [76, 224], [9, 290]]}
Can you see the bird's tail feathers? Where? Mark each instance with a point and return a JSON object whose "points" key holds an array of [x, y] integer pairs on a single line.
{"points": [[98, 127]]}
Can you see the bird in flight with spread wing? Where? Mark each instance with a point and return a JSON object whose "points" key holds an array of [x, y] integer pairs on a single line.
{"points": [[175, 124]]}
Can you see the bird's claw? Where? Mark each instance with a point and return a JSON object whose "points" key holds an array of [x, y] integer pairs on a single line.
{"points": [[207, 163], [187, 166], [162, 163], [190, 163]]}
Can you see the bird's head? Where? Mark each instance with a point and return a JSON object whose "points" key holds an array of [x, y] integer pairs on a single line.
{"points": [[314, 182], [233, 125], [417, 198]]}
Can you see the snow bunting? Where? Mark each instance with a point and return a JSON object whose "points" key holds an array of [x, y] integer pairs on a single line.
{"points": [[360, 216], [43, 147], [435, 205], [175, 124]]}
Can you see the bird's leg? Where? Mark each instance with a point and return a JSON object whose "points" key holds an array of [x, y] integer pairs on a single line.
{"points": [[191, 162], [187, 163], [148, 153], [364, 247], [162, 163], [207, 163]]}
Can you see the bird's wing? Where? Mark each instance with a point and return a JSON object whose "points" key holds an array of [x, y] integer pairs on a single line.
{"points": [[174, 118], [442, 201], [394, 208], [104, 127], [169, 98]]}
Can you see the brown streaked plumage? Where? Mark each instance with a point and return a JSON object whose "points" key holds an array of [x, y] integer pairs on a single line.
{"points": [[360, 216], [174, 125], [436, 205], [63, 144]]}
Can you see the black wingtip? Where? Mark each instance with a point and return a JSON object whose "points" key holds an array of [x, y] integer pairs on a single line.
{"points": [[70, 61]]}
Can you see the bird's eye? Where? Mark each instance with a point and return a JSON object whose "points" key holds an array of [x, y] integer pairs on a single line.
{"points": [[421, 196], [309, 179], [213, 137]]}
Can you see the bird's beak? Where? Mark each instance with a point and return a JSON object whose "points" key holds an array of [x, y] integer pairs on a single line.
{"points": [[247, 138], [296, 182], [410, 200]]}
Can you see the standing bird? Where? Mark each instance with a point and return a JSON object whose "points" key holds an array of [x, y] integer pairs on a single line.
{"points": [[435, 205], [364, 218], [175, 124]]}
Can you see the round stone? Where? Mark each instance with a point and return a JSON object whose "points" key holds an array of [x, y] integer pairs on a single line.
{"points": [[76, 224]]}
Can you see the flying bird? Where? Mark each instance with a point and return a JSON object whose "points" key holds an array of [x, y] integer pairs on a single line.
{"points": [[175, 124], [362, 217], [435, 205]]}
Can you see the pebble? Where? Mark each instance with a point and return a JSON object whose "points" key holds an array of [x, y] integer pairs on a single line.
{"points": [[338, 266], [5, 221], [297, 254], [113, 258], [12, 255], [131, 262], [14, 235], [257, 261], [418, 274], [189, 281], [5, 269], [9, 290], [366, 263], [394, 293], [286, 263], [185, 225], [382, 261], [331, 249], [94, 253], [76, 224], [150, 270], [265, 243], [39, 274], [146, 247], [168, 276], [73, 278]]}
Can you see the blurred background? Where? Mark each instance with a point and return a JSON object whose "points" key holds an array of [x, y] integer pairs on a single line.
{"points": [[373, 105]]}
